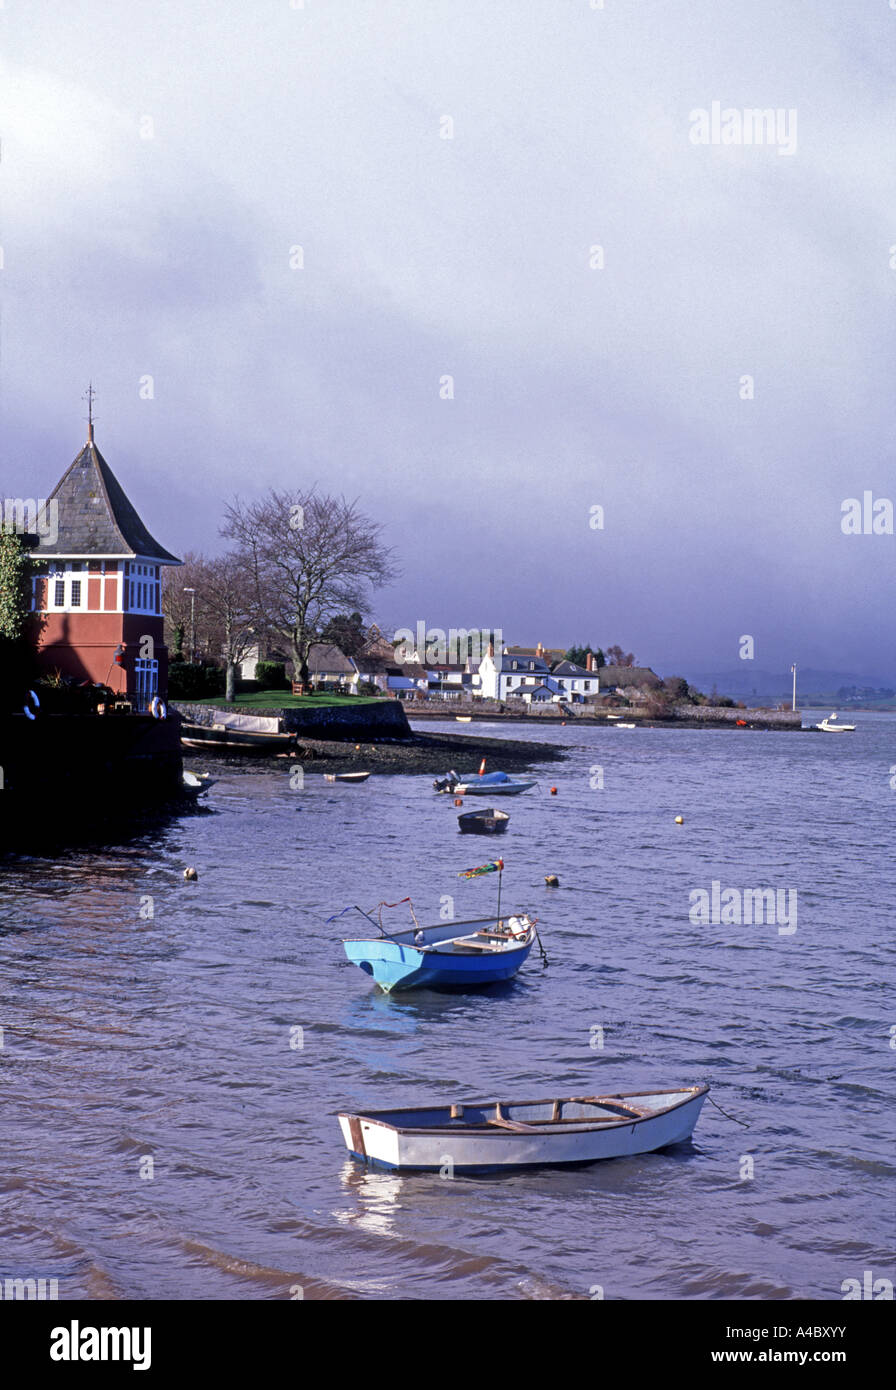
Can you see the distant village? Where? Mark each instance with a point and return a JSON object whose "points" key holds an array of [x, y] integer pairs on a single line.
{"points": [[91, 601], [533, 675]]}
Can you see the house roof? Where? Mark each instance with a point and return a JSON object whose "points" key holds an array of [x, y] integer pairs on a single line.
{"points": [[569, 668], [627, 675], [95, 516], [549, 654], [325, 656], [526, 661], [377, 645], [369, 665]]}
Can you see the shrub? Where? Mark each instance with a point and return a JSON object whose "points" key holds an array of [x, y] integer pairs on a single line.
{"points": [[271, 675], [189, 682]]}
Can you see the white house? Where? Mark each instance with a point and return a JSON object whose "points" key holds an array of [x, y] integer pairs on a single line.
{"points": [[508, 675], [576, 682]]}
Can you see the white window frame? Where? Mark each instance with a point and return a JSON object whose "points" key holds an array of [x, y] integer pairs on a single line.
{"points": [[144, 593]]}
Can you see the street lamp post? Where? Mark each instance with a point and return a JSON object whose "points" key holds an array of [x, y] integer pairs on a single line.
{"points": [[192, 593]]}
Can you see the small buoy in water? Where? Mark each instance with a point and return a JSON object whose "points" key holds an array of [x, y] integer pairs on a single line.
{"points": [[552, 880], [562, 721], [679, 820], [190, 875], [458, 801], [553, 791]]}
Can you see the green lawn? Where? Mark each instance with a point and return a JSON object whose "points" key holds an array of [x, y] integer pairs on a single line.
{"points": [[283, 699]]}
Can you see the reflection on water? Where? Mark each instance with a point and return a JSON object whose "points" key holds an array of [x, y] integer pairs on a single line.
{"points": [[146, 1016]]}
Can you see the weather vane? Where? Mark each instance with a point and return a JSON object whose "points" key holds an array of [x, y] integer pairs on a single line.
{"points": [[88, 397]]}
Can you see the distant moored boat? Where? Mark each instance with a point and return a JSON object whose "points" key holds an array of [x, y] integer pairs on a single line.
{"points": [[828, 726]]}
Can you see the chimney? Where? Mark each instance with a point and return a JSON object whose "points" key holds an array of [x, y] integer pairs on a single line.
{"points": [[491, 649], [539, 650], [589, 664]]}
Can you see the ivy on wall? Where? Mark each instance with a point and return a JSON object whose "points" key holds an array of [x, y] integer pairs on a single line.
{"points": [[14, 576]]}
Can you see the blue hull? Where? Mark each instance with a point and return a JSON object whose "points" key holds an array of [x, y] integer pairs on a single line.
{"points": [[395, 966]]}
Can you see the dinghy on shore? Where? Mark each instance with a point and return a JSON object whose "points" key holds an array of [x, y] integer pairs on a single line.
{"points": [[524, 1134], [197, 784]]}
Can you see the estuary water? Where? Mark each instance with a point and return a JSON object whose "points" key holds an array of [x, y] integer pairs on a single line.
{"points": [[174, 1053]]}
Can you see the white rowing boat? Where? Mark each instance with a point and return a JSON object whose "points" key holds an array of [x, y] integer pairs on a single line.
{"points": [[523, 1134]]}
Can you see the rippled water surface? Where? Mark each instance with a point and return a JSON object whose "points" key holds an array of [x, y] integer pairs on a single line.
{"points": [[127, 1036]]}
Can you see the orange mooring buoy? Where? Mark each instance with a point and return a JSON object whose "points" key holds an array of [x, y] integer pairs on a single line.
{"points": [[458, 801], [553, 791]]}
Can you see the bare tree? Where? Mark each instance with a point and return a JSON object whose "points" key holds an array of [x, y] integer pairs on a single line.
{"points": [[217, 593], [310, 558], [617, 657], [227, 597], [176, 602]]}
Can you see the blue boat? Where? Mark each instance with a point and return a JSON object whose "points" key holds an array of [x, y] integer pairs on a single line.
{"points": [[481, 784], [448, 956]]}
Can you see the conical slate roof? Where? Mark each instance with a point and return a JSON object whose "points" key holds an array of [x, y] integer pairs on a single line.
{"points": [[95, 516]]}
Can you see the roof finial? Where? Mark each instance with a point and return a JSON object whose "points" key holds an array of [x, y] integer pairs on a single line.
{"points": [[88, 397]]}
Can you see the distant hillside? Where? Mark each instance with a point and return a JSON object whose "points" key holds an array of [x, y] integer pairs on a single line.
{"points": [[745, 683]]}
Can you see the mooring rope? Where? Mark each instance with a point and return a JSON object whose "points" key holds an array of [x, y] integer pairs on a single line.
{"points": [[727, 1116]]}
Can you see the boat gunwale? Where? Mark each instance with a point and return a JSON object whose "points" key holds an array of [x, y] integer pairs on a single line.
{"points": [[470, 922], [542, 1127]]}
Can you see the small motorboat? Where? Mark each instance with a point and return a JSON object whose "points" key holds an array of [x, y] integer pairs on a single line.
{"points": [[488, 822], [524, 1134], [346, 776], [463, 718], [481, 784], [828, 726], [197, 784], [623, 726], [448, 955]]}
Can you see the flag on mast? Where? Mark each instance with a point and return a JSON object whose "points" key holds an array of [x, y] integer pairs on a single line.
{"points": [[494, 866]]}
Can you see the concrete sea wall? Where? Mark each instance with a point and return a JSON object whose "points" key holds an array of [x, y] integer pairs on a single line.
{"points": [[361, 721], [694, 716]]}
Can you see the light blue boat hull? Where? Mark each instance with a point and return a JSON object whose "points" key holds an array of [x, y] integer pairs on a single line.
{"points": [[397, 965]]}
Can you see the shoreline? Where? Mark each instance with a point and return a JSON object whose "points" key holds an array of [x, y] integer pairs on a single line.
{"points": [[432, 754]]}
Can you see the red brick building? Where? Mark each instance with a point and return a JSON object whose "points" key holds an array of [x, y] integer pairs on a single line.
{"points": [[97, 584]]}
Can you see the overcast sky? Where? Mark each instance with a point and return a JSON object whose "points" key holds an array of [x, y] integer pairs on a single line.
{"points": [[159, 162]]}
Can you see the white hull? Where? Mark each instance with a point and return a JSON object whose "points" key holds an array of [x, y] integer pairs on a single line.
{"points": [[487, 1145], [491, 789]]}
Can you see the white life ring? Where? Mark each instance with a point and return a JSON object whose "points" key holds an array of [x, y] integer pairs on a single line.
{"points": [[157, 708], [30, 713]]}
